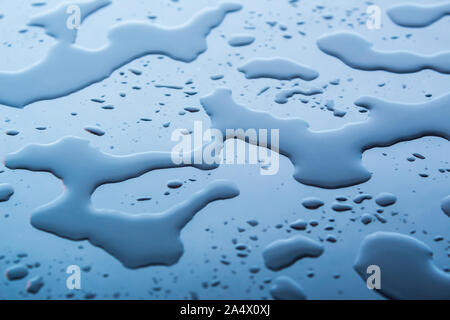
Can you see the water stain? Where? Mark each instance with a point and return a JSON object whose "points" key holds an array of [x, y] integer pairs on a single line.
{"points": [[361, 197], [333, 158], [284, 288], [34, 285], [406, 267], [283, 253], [277, 68], [445, 205], [357, 52], [385, 199], [283, 96], [240, 40], [137, 240], [312, 203], [69, 68], [16, 272], [95, 130], [416, 15], [6, 191]]}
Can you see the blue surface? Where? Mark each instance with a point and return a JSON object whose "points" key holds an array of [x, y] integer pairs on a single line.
{"points": [[148, 87]]}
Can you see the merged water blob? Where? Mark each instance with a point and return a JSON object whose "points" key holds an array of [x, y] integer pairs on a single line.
{"points": [[283, 96], [357, 52], [361, 197], [282, 253], [284, 288], [277, 68], [69, 68], [407, 270], [445, 205], [333, 158], [6, 191], [137, 240], [416, 15]]}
